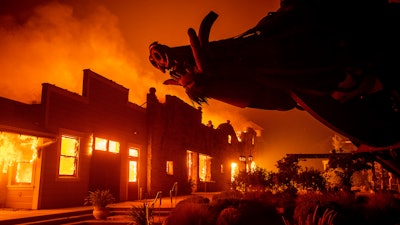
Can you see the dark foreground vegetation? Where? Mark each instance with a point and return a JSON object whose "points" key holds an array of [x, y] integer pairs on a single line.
{"points": [[352, 190], [294, 196], [260, 208]]}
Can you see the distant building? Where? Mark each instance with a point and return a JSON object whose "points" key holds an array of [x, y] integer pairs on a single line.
{"points": [[54, 152], [181, 148]]}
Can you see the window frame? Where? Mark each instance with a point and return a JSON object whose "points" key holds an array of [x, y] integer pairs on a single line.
{"points": [[133, 156], [76, 157], [109, 143], [169, 167], [207, 162]]}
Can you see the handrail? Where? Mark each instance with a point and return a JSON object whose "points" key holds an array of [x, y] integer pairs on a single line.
{"points": [[158, 196], [173, 189]]}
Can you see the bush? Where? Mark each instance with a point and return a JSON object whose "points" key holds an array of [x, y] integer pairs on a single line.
{"points": [[371, 209], [138, 214], [313, 208], [189, 212], [99, 198], [255, 180], [229, 208], [380, 207], [227, 216], [342, 204]]}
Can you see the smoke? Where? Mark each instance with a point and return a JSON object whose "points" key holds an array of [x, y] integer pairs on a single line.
{"points": [[54, 43]]}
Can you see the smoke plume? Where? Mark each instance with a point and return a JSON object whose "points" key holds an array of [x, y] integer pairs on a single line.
{"points": [[54, 42]]}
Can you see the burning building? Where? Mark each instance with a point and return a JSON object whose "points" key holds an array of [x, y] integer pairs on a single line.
{"points": [[53, 152]]}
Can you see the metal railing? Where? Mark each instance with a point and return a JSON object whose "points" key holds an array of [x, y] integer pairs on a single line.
{"points": [[151, 207], [174, 190]]}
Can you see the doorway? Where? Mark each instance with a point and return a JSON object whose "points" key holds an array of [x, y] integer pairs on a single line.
{"points": [[133, 171]]}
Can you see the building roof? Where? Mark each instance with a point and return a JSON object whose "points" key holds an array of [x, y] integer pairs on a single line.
{"points": [[22, 118]]}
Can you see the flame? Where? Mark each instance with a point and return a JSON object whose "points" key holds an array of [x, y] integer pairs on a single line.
{"points": [[55, 41], [19, 150], [7, 153], [55, 44], [234, 170]]}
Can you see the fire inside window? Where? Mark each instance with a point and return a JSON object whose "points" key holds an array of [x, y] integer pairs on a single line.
{"points": [[23, 173], [17, 155], [234, 171], [170, 167], [205, 168], [102, 144], [69, 156]]}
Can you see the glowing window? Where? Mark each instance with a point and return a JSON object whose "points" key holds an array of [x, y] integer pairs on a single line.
{"points": [[229, 139], [234, 171], [133, 152], [69, 156], [113, 146], [253, 166], [100, 144], [204, 167], [25, 153], [132, 171], [170, 167], [239, 136], [23, 173]]}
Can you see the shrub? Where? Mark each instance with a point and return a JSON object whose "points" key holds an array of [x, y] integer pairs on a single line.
{"points": [[228, 194], [99, 198], [228, 216], [345, 208], [315, 204], [313, 208], [189, 212], [228, 208], [138, 214], [186, 187], [380, 207], [255, 180]]}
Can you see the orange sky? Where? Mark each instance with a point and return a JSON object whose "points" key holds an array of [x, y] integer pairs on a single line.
{"points": [[53, 41]]}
